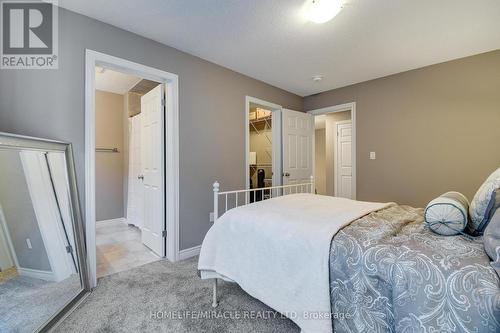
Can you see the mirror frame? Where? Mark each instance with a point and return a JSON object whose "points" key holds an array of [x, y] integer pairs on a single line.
{"points": [[14, 141]]}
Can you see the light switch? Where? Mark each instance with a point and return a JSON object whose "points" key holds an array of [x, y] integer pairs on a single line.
{"points": [[372, 155], [211, 216], [28, 242]]}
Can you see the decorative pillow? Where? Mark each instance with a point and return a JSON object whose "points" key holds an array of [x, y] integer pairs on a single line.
{"points": [[447, 214], [491, 239], [482, 206]]}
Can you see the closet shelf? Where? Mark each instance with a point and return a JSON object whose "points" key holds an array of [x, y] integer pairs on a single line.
{"points": [[259, 120], [261, 165]]}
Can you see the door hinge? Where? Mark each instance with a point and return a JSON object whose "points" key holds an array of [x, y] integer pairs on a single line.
{"points": [[69, 249], [164, 233], [163, 102]]}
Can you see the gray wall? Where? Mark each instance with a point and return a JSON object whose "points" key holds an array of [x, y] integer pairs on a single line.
{"points": [[15, 202], [434, 129], [109, 167], [50, 103]]}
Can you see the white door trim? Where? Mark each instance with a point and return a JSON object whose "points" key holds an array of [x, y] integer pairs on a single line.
{"points": [[37, 274], [170, 155], [340, 108], [276, 136], [336, 155], [190, 252]]}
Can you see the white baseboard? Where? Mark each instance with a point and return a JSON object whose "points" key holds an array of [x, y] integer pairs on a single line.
{"points": [[188, 253], [36, 274], [120, 219]]}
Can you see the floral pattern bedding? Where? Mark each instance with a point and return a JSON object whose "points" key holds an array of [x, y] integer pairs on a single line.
{"points": [[390, 274]]}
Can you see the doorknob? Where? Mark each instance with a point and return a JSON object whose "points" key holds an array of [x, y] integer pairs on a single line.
{"points": [[286, 174], [141, 177]]}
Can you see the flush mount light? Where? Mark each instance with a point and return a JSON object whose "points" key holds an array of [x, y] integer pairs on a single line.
{"points": [[100, 69], [317, 78], [321, 11]]}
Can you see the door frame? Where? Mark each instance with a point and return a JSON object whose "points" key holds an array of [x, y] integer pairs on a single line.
{"points": [[336, 155], [5, 235], [334, 109], [276, 137], [170, 153]]}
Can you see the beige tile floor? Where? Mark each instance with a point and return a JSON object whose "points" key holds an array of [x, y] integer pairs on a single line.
{"points": [[8, 274], [119, 248]]}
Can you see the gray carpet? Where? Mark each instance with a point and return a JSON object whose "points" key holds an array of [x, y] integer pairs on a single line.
{"points": [[27, 303], [129, 301]]}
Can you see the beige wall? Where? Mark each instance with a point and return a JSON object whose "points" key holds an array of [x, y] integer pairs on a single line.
{"points": [[319, 161], [330, 143], [434, 129], [109, 167]]}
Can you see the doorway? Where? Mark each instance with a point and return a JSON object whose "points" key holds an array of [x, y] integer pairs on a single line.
{"points": [[279, 146], [335, 150], [129, 221], [158, 225], [263, 144]]}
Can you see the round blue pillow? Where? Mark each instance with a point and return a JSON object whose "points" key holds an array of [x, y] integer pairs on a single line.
{"points": [[447, 214]]}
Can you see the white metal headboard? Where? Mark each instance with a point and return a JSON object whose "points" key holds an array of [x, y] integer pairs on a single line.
{"points": [[266, 193]]}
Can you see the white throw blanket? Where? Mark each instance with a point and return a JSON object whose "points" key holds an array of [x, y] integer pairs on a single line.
{"points": [[277, 250]]}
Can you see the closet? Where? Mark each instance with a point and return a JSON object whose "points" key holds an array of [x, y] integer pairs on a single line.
{"points": [[261, 154]]}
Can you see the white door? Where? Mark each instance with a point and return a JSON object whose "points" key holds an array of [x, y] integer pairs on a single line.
{"points": [[298, 134], [151, 163], [135, 199], [343, 160]]}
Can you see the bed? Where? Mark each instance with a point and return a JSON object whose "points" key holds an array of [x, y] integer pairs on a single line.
{"points": [[338, 265]]}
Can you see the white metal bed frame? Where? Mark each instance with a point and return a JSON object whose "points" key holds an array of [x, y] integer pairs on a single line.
{"points": [[273, 191]]}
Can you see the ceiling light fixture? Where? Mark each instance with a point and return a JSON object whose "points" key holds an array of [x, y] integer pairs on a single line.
{"points": [[317, 78], [321, 11]]}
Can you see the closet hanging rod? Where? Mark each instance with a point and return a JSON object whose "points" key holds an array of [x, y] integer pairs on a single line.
{"points": [[107, 150]]}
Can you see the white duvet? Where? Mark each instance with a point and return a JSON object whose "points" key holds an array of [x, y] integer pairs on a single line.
{"points": [[277, 250]]}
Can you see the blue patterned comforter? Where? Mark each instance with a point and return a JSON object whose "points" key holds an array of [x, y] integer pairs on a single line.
{"points": [[389, 274]]}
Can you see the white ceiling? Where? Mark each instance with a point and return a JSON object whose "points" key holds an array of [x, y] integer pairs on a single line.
{"points": [[271, 40], [115, 82]]}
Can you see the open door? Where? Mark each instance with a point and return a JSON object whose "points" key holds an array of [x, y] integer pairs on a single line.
{"points": [[152, 169], [298, 134]]}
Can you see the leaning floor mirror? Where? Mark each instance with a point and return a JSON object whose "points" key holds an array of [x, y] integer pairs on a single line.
{"points": [[43, 273]]}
